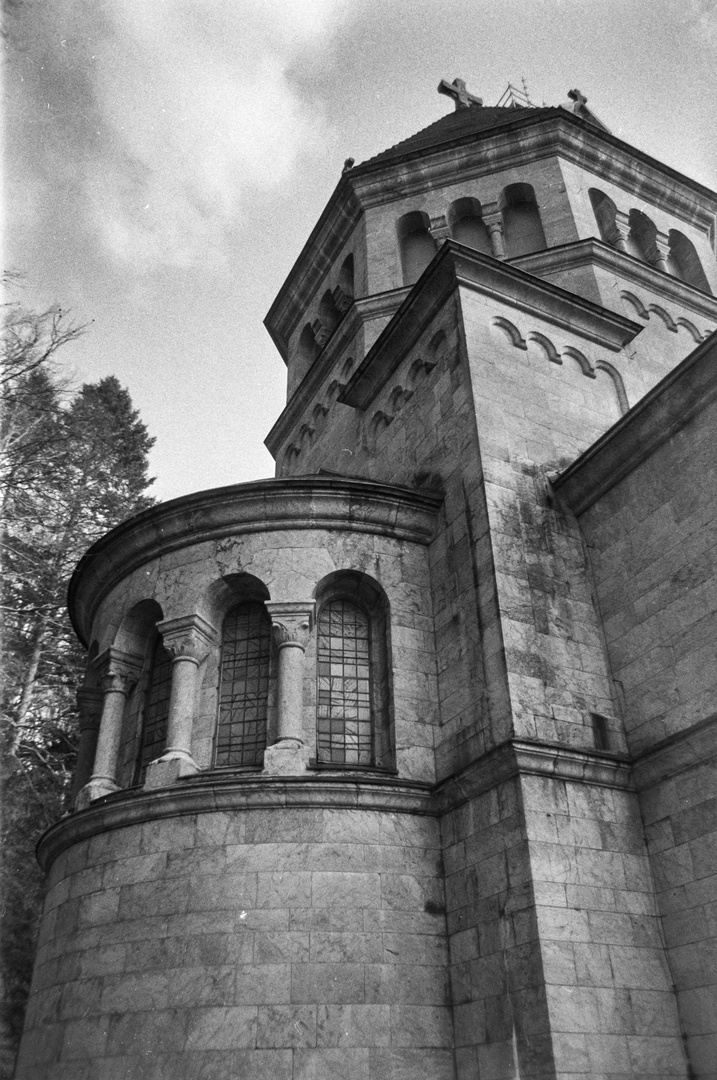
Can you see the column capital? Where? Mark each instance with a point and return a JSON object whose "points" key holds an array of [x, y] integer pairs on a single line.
{"points": [[493, 221], [291, 621], [439, 228], [662, 250], [118, 670], [187, 638]]}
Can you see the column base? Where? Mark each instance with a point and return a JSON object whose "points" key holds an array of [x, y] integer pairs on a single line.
{"points": [[169, 768], [286, 758], [96, 788]]}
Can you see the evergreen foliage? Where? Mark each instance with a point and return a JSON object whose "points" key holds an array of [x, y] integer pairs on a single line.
{"points": [[72, 466]]}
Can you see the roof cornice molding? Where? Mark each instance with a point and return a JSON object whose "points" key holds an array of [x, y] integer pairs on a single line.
{"points": [[312, 502], [361, 311], [594, 252], [560, 133], [664, 410], [458, 266]]}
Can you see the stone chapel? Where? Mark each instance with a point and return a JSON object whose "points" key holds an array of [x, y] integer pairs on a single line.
{"points": [[402, 764]]}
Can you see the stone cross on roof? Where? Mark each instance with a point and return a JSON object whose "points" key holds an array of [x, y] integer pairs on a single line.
{"points": [[577, 97], [457, 91]]}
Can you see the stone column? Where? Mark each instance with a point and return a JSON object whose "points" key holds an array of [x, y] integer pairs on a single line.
{"points": [[621, 231], [662, 252], [89, 703], [494, 224], [291, 623], [120, 672], [187, 640]]}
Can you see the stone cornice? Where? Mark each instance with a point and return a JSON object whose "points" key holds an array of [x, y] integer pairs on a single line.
{"points": [[676, 754], [594, 252], [361, 311], [530, 138], [665, 409], [456, 265], [314, 502], [207, 793], [526, 758], [213, 791]]}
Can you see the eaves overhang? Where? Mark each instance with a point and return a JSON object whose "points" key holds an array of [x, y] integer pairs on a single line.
{"points": [[663, 411], [535, 134], [457, 266], [307, 502], [594, 252]]}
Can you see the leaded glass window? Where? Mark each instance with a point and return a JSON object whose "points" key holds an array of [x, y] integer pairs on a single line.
{"points": [[156, 707], [244, 686], [344, 721]]}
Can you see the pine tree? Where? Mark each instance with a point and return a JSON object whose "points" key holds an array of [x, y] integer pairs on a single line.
{"points": [[72, 467]]}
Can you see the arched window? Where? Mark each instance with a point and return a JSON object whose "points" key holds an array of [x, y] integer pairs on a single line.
{"points": [[522, 227], [243, 685], [329, 314], [346, 277], [352, 674], [308, 350], [156, 708], [465, 217], [683, 261], [417, 245], [344, 721], [605, 211]]}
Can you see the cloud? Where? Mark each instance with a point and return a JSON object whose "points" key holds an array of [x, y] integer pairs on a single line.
{"points": [[701, 18], [164, 114], [198, 108]]}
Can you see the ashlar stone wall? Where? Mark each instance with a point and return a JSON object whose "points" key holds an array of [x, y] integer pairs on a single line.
{"points": [[267, 942], [653, 549]]}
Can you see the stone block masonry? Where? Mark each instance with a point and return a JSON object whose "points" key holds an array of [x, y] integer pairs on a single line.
{"points": [[219, 941]]}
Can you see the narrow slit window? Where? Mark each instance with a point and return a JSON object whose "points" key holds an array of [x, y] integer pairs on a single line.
{"points": [[344, 716], [244, 686]]}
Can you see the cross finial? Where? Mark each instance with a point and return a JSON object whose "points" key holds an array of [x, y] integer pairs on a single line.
{"points": [[457, 91], [578, 98]]}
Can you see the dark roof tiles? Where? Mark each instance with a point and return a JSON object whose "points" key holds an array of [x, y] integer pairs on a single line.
{"points": [[455, 125]]}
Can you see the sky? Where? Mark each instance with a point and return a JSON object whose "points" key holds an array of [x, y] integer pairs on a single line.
{"points": [[166, 160]]}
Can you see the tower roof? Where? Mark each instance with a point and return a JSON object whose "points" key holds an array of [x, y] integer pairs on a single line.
{"points": [[456, 125]]}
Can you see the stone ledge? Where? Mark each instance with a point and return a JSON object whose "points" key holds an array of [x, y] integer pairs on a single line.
{"points": [[594, 252], [207, 793], [676, 754], [457, 266], [212, 792], [523, 758]]}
